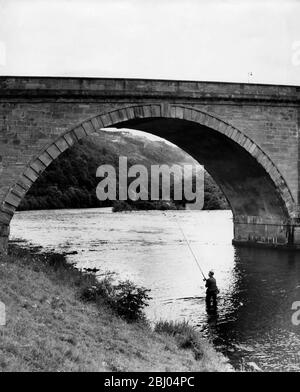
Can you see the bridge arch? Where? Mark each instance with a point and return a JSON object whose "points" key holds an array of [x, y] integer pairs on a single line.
{"points": [[259, 196]]}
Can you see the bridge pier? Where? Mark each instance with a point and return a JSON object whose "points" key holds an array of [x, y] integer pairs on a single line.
{"points": [[268, 235]]}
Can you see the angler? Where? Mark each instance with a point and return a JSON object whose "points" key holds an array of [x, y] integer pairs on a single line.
{"points": [[211, 292]]}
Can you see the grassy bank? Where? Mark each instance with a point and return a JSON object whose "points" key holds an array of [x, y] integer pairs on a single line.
{"points": [[50, 328]]}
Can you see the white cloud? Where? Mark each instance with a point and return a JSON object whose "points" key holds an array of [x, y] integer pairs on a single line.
{"points": [[170, 39]]}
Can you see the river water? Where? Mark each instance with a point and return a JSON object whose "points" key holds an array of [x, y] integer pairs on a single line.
{"points": [[257, 286]]}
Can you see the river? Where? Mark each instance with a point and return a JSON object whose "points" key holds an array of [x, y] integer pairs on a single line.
{"points": [[257, 286]]}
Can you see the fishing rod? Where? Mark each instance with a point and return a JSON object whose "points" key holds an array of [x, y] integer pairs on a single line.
{"points": [[190, 248]]}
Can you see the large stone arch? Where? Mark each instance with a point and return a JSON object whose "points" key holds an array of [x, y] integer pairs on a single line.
{"points": [[134, 115]]}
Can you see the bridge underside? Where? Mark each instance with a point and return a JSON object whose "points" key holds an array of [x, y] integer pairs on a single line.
{"points": [[259, 212]]}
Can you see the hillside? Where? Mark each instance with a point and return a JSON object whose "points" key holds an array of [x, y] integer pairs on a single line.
{"points": [[70, 181]]}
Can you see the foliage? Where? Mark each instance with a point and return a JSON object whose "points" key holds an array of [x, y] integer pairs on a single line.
{"points": [[129, 300], [125, 298], [70, 181], [121, 205], [214, 198]]}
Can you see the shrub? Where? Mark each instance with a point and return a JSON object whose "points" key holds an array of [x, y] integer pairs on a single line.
{"points": [[129, 300], [94, 290], [125, 298], [120, 205]]}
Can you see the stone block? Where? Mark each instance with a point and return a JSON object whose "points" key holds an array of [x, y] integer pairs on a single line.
{"points": [[53, 151], [79, 132], [70, 139], [38, 166], [62, 144], [31, 174]]}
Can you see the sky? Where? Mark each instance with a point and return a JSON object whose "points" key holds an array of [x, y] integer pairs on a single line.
{"points": [[256, 41]]}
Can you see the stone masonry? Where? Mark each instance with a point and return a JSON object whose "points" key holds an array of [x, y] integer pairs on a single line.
{"points": [[246, 135]]}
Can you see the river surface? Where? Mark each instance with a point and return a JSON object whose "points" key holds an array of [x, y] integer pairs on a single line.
{"points": [[257, 287]]}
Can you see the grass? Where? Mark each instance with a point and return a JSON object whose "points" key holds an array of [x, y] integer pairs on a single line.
{"points": [[187, 337], [50, 328]]}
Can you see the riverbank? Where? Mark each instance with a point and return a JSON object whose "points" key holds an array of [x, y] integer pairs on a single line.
{"points": [[49, 328]]}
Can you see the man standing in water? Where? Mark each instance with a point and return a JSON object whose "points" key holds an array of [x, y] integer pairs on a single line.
{"points": [[211, 292]]}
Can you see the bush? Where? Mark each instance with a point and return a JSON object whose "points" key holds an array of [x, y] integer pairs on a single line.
{"points": [[129, 300], [125, 298], [93, 291], [120, 205]]}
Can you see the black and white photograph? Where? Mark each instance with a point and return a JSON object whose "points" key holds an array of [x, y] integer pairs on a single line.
{"points": [[150, 189]]}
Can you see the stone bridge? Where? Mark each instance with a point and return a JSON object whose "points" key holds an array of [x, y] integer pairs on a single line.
{"points": [[246, 136]]}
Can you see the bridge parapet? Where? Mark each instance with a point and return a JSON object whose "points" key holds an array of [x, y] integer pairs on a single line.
{"points": [[89, 88]]}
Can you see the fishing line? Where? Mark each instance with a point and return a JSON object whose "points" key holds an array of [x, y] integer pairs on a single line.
{"points": [[190, 248]]}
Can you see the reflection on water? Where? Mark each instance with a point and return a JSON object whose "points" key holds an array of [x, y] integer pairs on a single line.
{"points": [[268, 284], [257, 287]]}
